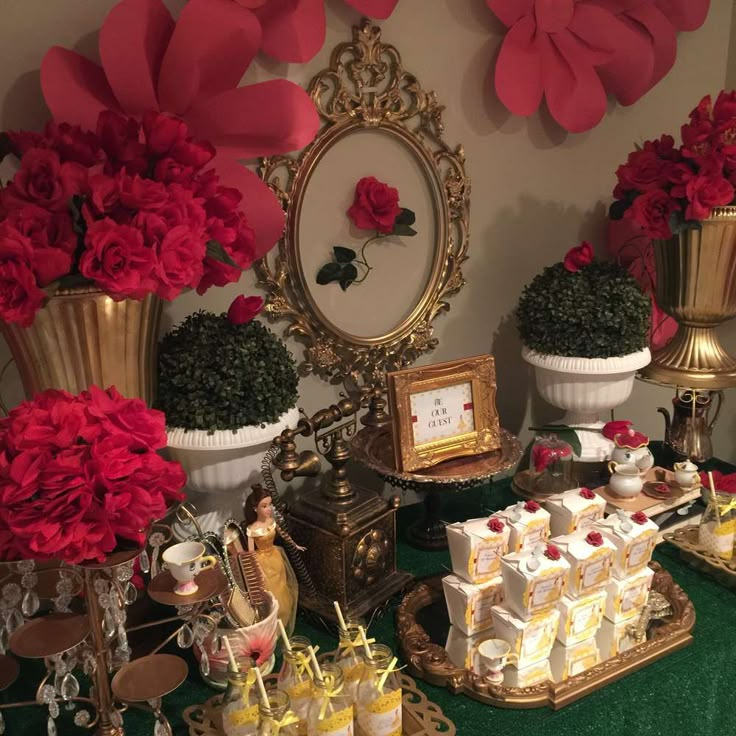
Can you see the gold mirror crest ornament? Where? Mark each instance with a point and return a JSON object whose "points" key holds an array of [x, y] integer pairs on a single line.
{"points": [[366, 87]]}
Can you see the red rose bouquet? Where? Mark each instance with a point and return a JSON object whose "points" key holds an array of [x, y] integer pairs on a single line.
{"points": [[664, 188], [131, 209], [80, 474]]}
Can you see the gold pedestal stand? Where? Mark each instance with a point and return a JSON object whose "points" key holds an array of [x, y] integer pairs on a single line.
{"points": [[349, 532]]}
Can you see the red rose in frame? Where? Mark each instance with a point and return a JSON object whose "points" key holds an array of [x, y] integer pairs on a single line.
{"points": [[552, 552], [594, 538], [532, 507], [587, 493], [639, 517], [375, 206], [578, 257], [244, 309], [495, 525]]}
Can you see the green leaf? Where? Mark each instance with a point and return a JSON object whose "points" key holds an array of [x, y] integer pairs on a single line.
{"points": [[349, 274], [216, 251], [329, 272], [343, 255], [400, 229], [405, 217]]}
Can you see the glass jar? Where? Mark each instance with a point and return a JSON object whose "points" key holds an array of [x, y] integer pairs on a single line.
{"points": [[331, 711], [379, 694], [551, 465], [275, 717], [295, 679], [349, 658], [717, 529], [240, 702]]}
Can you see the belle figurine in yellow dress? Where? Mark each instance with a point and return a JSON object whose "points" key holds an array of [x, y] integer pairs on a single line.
{"points": [[261, 530]]}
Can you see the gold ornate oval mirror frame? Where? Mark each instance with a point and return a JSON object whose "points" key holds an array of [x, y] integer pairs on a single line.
{"points": [[364, 87]]}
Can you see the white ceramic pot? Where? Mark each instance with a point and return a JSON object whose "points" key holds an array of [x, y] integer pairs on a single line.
{"points": [[625, 481], [221, 467], [585, 388]]}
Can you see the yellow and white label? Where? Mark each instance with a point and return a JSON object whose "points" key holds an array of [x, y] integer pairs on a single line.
{"points": [[382, 716], [536, 638], [639, 552], [594, 572], [584, 617], [487, 560], [634, 596], [339, 723], [718, 538], [536, 532], [587, 517], [545, 591]]}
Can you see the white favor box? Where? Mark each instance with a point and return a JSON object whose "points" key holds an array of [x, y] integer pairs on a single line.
{"points": [[530, 640], [572, 660], [569, 511], [463, 650], [529, 592], [527, 528], [468, 605], [580, 618], [529, 676], [590, 565], [634, 542], [615, 638], [626, 598], [475, 550]]}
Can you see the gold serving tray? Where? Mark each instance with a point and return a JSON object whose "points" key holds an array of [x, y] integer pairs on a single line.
{"points": [[429, 660], [686, 540], [420, 717]]}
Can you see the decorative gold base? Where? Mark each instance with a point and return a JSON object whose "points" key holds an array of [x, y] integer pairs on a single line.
{"points": [[694, 358]]}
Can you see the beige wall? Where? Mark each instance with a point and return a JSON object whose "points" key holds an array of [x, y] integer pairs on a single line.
{"points": [[535, 190]]}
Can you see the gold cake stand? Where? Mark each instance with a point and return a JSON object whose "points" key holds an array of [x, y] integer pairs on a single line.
{"points": [[374, 448]]}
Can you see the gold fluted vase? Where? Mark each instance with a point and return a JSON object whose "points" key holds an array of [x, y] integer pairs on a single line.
{"points": [[696, 284], [83, 337]]}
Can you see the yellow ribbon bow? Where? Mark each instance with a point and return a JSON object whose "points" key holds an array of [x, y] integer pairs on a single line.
{"points": [[303, 664], [290, 718], [385, 673], [350, 646], [724, 508], [250, 680], [328, 691]]}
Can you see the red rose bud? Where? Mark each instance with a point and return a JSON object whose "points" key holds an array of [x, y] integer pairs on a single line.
{"points": [[495, 525], [594, 538], [552, 552], [532, 507], [639, 517], [244, 309], [611, 429], [587, 493], [577, 258]]}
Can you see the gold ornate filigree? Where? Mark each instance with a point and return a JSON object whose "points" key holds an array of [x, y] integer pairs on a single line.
{"points": [[366, 86]]}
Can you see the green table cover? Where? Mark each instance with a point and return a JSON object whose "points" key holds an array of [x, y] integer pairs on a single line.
{"points": [[689, 692]]}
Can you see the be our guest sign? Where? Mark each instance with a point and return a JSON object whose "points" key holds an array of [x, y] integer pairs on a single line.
{"points": [[443, 411]]}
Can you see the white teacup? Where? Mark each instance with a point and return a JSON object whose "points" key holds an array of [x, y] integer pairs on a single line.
{"points": [[185, 561], [494, 656]]}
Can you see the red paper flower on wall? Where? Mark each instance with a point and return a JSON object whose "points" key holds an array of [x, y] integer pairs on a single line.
{"points": [[190, 68], [294, 30], [573, 52]]}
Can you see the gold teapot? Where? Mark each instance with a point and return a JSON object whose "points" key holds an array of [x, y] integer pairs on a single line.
{"points": [[688, 431]]}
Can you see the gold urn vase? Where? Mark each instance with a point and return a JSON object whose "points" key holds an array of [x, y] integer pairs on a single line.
{"points": [[696, 284], [83, 337]]}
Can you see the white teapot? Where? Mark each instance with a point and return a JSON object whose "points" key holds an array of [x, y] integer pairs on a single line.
{"points": [[632, 448], [686, 475], [625, 480]]}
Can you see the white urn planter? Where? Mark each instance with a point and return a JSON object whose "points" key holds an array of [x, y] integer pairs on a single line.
{"points": [[586, 388], [221, 467]]}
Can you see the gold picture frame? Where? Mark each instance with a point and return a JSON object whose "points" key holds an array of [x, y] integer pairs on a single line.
{"points": [[428, 404]]}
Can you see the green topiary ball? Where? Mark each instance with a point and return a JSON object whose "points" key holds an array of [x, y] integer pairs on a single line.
{"points": [[215, 375], [598, 311]]}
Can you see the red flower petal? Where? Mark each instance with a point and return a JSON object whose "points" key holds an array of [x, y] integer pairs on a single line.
{"points": [[510, 11], [75, 89], [212, 45], [518, 75], [685, 15], [292, 31], [133, 40], [380, 9], [258, 120], [663, 39]]}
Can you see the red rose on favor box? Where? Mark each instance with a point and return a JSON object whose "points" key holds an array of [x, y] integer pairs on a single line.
{"points": [[611, 429], [552, 552], [652, 211], [594, 538], [532, 507], [639, 517], [179, 261], [495, 525], [706, 192], [578, 257], [244, 309], [20, 297], [117, 259], [587, 493], [376, 205]]}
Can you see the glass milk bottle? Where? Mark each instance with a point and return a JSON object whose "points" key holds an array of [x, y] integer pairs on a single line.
{"points": [[718, 527], [276, 718], [240, 702], [331, 711], [350, 659], [295, 679], [379, 695]]}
